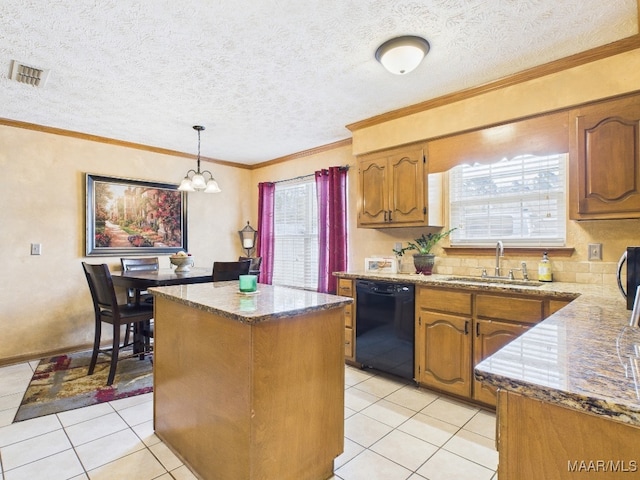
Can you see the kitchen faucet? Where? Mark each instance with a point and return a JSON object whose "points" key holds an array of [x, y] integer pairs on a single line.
{"points": [[499, 253]]}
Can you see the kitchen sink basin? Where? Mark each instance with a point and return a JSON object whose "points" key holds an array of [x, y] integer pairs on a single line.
{"points": [[494, 280]]}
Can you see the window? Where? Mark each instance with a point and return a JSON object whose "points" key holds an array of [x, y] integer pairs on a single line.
{"points": [[295, 256], [520, 201]]}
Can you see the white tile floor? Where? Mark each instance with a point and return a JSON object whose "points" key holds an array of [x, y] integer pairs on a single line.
{"points": [[393, 431]]}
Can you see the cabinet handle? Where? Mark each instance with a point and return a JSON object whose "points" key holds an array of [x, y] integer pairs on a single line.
{"points": [[385, 216], [477, 329], [389, 215], [466, 327]]}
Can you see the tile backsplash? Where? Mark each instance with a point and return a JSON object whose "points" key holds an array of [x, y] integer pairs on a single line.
{"points": [[564, 270]]}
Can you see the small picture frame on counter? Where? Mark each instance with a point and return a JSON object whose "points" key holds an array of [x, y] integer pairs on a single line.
{"points": [[381, 265]]}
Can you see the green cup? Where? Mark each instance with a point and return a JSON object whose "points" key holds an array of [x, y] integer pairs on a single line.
{"points": [[248, 283]]}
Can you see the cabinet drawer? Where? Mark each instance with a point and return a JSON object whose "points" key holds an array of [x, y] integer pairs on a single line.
{"points": [[345, 287], [348, 343], [444, 300], [529, 310], [348, 316]]}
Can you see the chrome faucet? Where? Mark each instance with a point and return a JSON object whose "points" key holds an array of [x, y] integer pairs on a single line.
{"points": [[499, 253]]}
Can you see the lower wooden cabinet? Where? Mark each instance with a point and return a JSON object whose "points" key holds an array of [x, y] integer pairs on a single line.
{"points": [[456, 329], [346, 289], [489, 336], [539, 440], [444, 352]]}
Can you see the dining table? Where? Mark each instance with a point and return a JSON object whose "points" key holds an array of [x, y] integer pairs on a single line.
{"points": [[144, 279]]}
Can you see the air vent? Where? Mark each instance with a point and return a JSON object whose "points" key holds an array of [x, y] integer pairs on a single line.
{"points": [[22, 73]]}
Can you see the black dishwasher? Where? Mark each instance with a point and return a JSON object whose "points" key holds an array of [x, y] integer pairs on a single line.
{"points": [[385, 329]]}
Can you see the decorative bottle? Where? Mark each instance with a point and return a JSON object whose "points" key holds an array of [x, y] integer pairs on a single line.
{"points": [[544, 269]]}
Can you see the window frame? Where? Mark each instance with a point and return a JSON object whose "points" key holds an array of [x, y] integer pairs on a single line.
{"points": [[500, 172]]}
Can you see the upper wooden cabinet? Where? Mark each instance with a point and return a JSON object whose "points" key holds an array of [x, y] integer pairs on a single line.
{"points": [[394, 189], [605, 160]]}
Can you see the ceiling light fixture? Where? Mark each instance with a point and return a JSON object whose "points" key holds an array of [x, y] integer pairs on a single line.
{"points": [[195, 180], [402, 55]]}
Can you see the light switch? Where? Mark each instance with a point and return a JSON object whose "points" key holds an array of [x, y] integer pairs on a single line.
{"points": [[595, 251], [36, 248]]}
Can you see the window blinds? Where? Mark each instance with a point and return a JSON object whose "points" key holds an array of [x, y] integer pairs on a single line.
{"points": [[521, 201], [295, 257]]}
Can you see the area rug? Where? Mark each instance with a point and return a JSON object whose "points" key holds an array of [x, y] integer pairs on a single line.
{"points": [[61, 383]]}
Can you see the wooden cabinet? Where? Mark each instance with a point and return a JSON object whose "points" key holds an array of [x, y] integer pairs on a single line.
{"points": [[445, 354], [456, 329], [393, 189], [346, 289], [605, 160], [489, 336], [539, 440], [443, 340]]}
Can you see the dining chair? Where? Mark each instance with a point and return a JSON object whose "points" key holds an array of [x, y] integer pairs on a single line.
{"points": [[107, 310], [223, 271], [254, 268], [135, 295], [139, 265]]}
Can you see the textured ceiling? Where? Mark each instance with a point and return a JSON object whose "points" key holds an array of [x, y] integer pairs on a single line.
{"points": [[270, 78]]}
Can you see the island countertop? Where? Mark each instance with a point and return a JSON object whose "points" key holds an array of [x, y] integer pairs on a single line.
{"points": [[584, 357], [269, 302]]}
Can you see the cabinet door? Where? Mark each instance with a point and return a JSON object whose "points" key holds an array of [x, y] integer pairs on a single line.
{"points": [[407, 191], [374, 192], [443, 348], [607, 164], [345, 288], [489, 337]]}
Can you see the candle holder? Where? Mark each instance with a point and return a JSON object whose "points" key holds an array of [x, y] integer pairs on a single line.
{"points": [[248, 283], [248, 237]]}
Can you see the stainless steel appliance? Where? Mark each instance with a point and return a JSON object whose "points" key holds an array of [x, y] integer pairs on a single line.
{"points": [[385, 328], [631, 257]]}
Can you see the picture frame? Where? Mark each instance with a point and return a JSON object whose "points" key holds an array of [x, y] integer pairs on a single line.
{"points": [[380, 265], [134, 217]]}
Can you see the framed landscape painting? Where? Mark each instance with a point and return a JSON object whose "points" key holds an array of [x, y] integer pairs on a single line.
{"points": [[134, 217]]}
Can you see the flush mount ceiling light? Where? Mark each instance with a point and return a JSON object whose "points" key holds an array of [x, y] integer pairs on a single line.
{"points": [[402, 55], [195, 180]]}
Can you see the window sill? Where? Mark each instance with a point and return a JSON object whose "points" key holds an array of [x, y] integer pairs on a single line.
{"points": [[516, 251]]}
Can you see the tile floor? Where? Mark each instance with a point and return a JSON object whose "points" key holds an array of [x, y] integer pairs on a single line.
{"points": [[393, 431]]}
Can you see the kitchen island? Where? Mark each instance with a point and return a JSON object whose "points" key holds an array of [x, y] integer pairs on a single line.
{"points": [[250, 386]]}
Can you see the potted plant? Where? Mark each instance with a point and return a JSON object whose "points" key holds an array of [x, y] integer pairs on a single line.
{"points": [[424, 259]]}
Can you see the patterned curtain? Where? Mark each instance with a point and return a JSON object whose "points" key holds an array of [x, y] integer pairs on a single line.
{"points": [[331, 187], [266, 196]]}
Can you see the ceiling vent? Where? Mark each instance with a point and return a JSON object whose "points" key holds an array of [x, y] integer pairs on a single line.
{"points": [[22, 73]]}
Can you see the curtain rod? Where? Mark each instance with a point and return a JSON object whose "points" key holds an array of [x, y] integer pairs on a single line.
{"points": [[343, 167]]}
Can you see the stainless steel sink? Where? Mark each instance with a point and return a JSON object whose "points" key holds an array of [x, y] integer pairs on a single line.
{"points": [[494, 280]]}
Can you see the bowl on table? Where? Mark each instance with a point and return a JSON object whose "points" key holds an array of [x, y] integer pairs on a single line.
{"points": [[182, 262]]}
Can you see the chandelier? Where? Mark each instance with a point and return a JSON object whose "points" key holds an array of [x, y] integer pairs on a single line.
{"points": [[196, 180]]}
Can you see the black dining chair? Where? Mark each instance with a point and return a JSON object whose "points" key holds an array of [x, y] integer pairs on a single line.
{"points": [[134, 295], [254, 268], [107, 310], [223, 271], [139, 265]]}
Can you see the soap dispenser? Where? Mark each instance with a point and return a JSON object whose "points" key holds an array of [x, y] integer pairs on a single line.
{"points": [[544, 269]]}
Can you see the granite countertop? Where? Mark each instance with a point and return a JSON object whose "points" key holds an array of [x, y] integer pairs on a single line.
{"points": [[584, 357], [269, 302]]}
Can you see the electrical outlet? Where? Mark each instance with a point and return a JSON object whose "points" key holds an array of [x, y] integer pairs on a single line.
{"points": [[397, 246], [36, 249], [595, 251]]}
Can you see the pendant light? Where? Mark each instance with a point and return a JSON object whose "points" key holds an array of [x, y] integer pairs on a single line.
{"points": [[402, 55], [195, 181]]}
